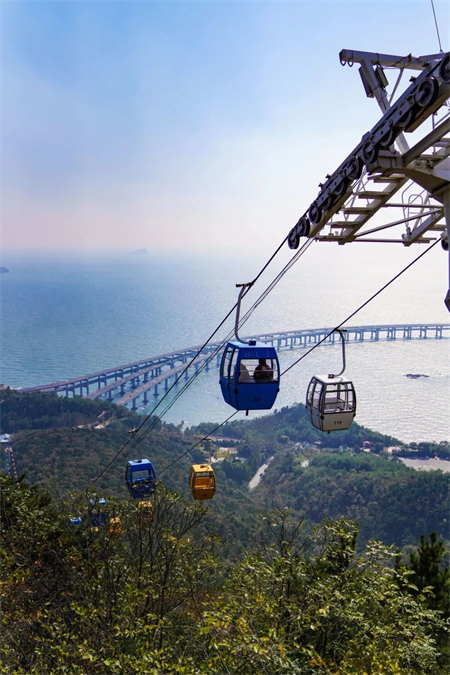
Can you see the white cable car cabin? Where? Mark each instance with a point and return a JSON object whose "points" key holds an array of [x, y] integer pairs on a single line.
{"points": [[331, 402], [202, 481], [331, 399]]}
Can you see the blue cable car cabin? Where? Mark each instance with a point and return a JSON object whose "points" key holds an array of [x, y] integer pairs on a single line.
{"points": [[249, 375], [98, 512], [140, 477], [76, 521]]}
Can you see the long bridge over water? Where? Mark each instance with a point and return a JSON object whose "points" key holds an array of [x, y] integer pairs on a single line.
{"points": [[126, 384]]}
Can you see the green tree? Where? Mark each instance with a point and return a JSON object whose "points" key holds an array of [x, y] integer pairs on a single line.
{"points": [[76, 599], [312, 605], [429, 571]]}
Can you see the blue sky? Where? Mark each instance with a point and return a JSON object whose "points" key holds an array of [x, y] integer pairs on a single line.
{"points": [[184, 125]]}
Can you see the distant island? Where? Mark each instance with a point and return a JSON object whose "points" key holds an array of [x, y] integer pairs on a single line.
{"points": [[414, 376], [4, 270], [140, 251]]}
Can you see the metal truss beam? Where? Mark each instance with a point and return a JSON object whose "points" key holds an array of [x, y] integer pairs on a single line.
{"points": [[382, 164], [348, 56]]}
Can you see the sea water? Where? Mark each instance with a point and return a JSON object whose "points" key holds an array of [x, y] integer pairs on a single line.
{"points": [[66, 315]]}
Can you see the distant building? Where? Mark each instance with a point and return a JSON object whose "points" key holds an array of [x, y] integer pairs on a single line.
{"points": [[226, 439], [4, 438], [393, 449]]}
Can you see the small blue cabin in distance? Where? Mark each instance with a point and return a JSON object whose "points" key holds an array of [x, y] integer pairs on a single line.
{"points": [[140, 477], [249, 375], [98, 511]]}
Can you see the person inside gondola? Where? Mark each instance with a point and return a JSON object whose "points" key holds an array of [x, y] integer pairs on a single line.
{"points": [[244, 375], [263, 372]]}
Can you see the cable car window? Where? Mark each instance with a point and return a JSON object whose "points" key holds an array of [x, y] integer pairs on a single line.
{"points": [[258, 370], [347, 395], [332, 401], [310, 391], [203, 474], [233, 363], [339, 397], [226, 361], [317, 394], [140, 475], [350, 397]]}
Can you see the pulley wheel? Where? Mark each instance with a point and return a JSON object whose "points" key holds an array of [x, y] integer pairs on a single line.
{"points": [[303, 227], [406, 119], [388, 138], [341, 186], [354, 167], [444, 70], [326, 202], [293, 239], [427, 92], [444, 243], [369, 151], [315, 213]]}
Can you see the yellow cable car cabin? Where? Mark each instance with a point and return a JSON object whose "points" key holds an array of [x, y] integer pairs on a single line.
{"points": [[115, 528], [202, 481], [145, 513]]}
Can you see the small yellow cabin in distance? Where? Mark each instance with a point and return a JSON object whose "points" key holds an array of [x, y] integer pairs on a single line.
{"points": [[145, 513], [202, 481], [115, 528]]}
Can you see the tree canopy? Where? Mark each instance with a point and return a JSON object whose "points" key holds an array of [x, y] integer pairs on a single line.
{"points": [[81, 599]]}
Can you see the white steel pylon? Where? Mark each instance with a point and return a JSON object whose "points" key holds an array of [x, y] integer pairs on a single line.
{"points": [[400, 190]]}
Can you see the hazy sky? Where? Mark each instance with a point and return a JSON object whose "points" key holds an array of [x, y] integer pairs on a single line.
{"points": [[187, 125]]}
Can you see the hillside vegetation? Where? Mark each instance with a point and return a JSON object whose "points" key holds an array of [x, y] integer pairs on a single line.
{"points": [[82, 600], [284, 579], [309, 473]]}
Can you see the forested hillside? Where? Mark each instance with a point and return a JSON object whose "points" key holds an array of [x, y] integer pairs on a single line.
{"points": [[269, 581], [84, 600], [317, 475], [68, 459], [392, 503], [20, 412]]}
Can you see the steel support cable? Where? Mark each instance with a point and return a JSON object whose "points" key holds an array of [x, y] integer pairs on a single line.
{"points": [[400, 75], [241, 322], [177, 379], [437, 27], [278, 278], [291, 262], [247, 315], [244, 319], [198, 442], [195, 356], [150, 415], [158, 418], [372, 297]]}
